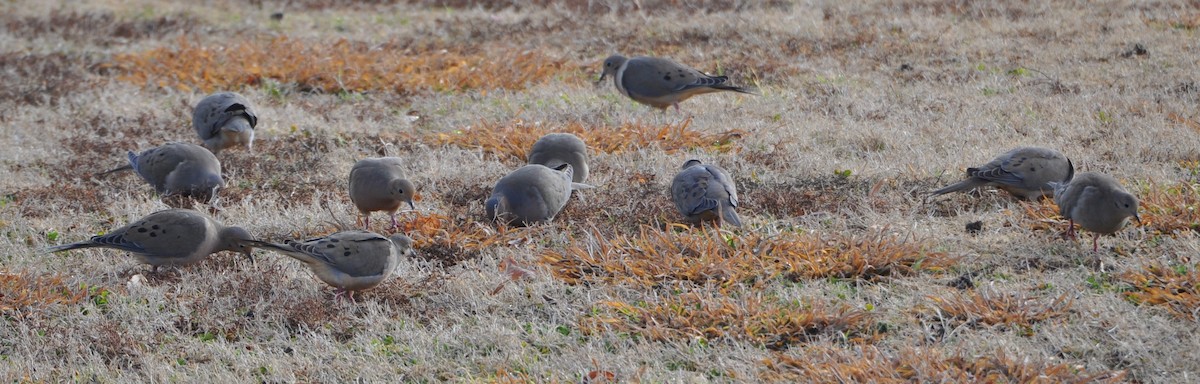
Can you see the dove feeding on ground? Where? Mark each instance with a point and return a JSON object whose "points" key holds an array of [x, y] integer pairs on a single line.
{"points": [[1097, 202], [225, 120], [178, 169], [531, 194], [350, 260], [705, 192], [170, 237], [555, 149], [661, 83], [379, 184], [1025, 172]]}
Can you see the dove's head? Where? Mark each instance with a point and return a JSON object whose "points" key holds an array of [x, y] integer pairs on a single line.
{"points": [[402, 242], [690, 163], [1127, 206], [611, 65], [237, 239], [403, 190]]}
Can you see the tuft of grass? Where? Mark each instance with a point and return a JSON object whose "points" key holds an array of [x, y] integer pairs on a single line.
{"points": [[515, 138], [1170, 209], [703, 315], [23, 295], [724, 259], [869, 364], [1177, 289], [452, 240], [988, 307], [340, 66]]}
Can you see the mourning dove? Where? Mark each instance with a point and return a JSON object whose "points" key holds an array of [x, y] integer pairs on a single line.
{"points": [[705, 192], [556, 149], [659, 82], [531, 194], [178, 169], [1097, 202], [379, 184], [1025, 172], [170, 237], [351, 260], [224, 120]]}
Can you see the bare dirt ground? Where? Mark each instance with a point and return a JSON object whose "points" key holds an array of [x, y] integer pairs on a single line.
{"points": [[843, 272]]}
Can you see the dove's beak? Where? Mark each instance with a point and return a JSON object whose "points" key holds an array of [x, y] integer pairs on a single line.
{"points": [[1137, 218], [602, 75]]}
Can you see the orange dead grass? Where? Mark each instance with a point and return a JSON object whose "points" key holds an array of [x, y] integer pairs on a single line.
{"points": [[705, 256], [1171, 208], [998, 308], [868, 364], [709, 316], [515, 138], [23, 295], [1177, 289], [331, 66]]}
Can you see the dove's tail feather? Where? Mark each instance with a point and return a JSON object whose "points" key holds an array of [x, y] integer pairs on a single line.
{"points": [[729, 215], [123, 168], [734, 88], [73, 246], [964, 185], [579, 186]]}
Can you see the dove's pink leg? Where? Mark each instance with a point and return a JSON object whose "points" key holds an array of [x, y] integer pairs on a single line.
{"points": [[1095, 236], [394, 224]]}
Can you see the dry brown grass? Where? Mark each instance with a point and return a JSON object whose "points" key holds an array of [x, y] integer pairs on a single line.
{"points": [[23, 295], [516, 138], [700, 315], [870, 364], [332, 67], [989, 307], [1175, 287], [727, 260]]}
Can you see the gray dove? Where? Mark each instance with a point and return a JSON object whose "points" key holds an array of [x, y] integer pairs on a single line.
{"points": [[170, 237], [556, 149], [379, 184], [1097, 202], [178, 169], [531, 194], [224, 120], [703, 192], [1024, 172], [350, 260], [659, 82]]}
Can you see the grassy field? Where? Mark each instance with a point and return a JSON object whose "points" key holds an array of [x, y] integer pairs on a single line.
{"points": [[843, 273]]}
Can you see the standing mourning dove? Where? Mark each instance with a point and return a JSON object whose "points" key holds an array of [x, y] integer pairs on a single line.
{"points": [[350, 260], [1097, 202], [1025, 172], [704, 192], [225, 120], [178, 169], [661, 83], [556, 149], [170, 237], [531, 194], [379, 185]]}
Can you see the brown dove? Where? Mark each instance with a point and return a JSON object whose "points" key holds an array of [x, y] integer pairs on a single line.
{"points": [[531, 194], [555, 149], [225, 120], [178, 169], [170, 237], [1097, 202], [661, 83], [703, 192], [1024, 172], [378, 184], [352, 260]]}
